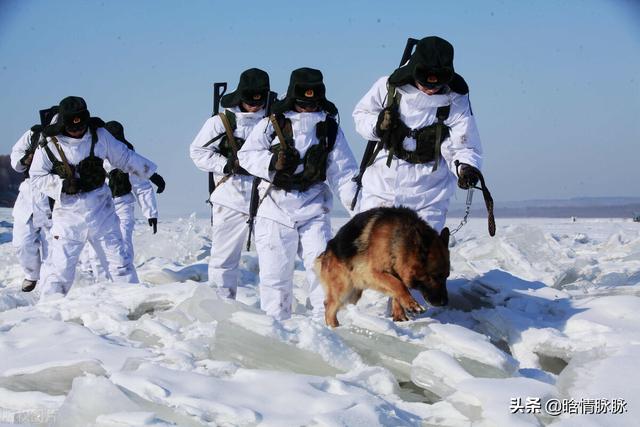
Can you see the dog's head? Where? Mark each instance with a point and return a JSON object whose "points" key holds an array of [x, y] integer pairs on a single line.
{"points": [[431, 278]]}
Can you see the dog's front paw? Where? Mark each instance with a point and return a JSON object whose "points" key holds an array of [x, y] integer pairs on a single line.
{"points": [[397, 312], [414, 308]]}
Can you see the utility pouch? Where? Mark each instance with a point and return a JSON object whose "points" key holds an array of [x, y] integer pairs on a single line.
{"points": [[119, 183], [92, 173]]}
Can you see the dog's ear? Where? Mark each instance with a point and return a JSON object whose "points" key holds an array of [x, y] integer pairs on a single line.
{"points": [[444, 236]]}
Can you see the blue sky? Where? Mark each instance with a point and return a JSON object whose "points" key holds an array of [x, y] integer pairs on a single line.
{"points": [[555, 85]]}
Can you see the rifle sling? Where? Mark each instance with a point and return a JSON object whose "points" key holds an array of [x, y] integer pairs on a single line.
{"points": [[393, 99], [229, 132], [212, 140], [63, 157], [278, 130]]}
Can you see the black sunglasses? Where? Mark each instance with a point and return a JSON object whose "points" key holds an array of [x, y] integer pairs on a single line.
{"points": [[253, 103], [303, 103], [429, 85]]}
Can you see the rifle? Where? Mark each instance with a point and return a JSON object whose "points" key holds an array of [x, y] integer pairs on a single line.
{"points": [[367, 157], [46, 116], [219, 89], [254, 202]]}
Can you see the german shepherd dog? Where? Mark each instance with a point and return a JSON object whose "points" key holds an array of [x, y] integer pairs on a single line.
{"points": [[390, 250]]}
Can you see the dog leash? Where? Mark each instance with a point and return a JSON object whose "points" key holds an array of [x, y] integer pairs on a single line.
{"points": [[488, 202], [467, 211]]}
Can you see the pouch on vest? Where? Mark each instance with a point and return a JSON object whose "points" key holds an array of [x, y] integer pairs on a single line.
{"points": [[92, 173], [91, 169], [314, 161], [59, 169], [119, 183]]}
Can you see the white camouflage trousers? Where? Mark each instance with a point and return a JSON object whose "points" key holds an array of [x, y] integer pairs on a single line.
{"points": [[228, 237], [31, 244], [277, 247], [65, 252]]}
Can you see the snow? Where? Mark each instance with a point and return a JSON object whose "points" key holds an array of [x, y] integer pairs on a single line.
{"points": [[548, 309]]}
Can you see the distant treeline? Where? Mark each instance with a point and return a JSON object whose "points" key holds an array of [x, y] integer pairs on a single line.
{"points": [[9, 182], [598, 211]]}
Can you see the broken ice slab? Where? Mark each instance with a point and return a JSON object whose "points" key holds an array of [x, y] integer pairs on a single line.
{"points": [[485, 401], [195, 272], [55, 379], [235, 343], [244, 335], [397, 346], [270, 398], [382, 350], [35, 406], [478, 355], [438, 372], [72, 351], [106, 398], [458, 354]]}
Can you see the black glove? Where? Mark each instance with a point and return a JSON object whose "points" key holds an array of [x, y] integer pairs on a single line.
{"points": [[153, 222], [388, 119], [232, 165], [468, 176], [285, 161], [70, 185], [158, 181], [27, 159]]}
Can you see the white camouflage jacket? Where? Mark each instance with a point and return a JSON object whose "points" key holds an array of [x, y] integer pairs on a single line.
{"points": [[417, 185], [29, 201], [235, 191], [289, 208]]}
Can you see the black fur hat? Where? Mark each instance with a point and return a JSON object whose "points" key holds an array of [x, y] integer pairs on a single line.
{"points": [[253, 88], [72, 115], [432, 63], [306, 85], [117, 130]]}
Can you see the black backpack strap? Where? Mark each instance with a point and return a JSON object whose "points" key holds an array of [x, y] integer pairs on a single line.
{"points": [[442, 114], [327, 132], [47, 150], [94, 124]]}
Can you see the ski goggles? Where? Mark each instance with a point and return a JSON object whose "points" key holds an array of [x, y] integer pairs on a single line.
{"points": [[430, 86], [307, 104], [429, 82]]}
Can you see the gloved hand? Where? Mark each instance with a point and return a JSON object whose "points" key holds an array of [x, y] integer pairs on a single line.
{"points": [[232, 165], [153, 222], [158, 181], [27, 159], [468, 176], [71, 185], [285, 161], [388, 119]]}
